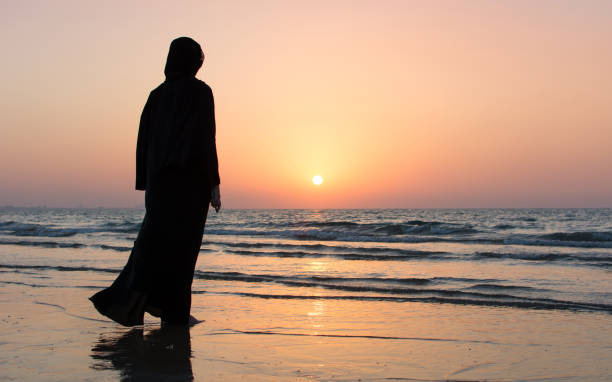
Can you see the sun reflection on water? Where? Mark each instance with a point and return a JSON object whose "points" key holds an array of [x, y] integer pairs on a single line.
{"points": [[316, 266]]}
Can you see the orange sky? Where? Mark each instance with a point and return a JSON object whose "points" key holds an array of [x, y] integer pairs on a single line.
{"points": [[395, 103]]}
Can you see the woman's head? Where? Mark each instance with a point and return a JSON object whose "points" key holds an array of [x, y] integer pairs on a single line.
{"points": [[185, 57]]}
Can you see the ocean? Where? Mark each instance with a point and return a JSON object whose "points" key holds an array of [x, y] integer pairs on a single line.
{"points": [[320, 295], [545, 259]]}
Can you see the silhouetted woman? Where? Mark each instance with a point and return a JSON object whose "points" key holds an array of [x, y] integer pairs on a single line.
{"points": [[176, 166]]}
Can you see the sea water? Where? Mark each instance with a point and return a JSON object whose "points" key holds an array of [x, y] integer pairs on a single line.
{"points": [[531, 259], [329, 295]]}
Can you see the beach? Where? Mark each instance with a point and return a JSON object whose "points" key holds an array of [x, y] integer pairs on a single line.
{"points": [[396, 191], [340, 295]]}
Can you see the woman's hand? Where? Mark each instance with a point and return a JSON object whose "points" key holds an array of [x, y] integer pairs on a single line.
{"points": [[215, 198]]}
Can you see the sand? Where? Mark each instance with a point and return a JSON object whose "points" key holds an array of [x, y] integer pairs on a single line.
{"points": [[54, 334]]}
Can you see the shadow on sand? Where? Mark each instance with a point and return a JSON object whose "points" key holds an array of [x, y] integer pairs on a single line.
{"points": [[162, 354]]}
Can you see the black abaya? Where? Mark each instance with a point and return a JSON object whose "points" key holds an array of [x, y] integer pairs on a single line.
{"points": [[157, 277], [176, 164]]}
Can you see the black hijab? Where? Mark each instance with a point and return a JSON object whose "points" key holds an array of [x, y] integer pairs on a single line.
{"points": [[184, 58]]}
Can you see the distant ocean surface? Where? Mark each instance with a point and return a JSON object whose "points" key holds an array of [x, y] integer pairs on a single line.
{"points": [[531, 259]]}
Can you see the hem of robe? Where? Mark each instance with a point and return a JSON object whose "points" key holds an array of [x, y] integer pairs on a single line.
{"points": [[127, 311]]}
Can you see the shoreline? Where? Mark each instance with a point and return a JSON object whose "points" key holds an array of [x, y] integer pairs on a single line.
{"points": [[54, 334]]}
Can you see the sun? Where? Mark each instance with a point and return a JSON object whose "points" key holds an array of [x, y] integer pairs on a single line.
{"points": [[317, 179]]}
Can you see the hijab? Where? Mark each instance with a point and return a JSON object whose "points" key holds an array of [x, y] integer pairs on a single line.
{"points": [[184, 58]]}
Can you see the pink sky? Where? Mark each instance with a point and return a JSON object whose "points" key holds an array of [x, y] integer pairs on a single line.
{"points": [[395, 103]]}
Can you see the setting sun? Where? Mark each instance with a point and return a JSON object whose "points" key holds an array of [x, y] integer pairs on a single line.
{"points": [[317, 179]]}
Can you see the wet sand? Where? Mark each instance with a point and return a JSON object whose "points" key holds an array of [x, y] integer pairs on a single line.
{"points": [[55, 334]]}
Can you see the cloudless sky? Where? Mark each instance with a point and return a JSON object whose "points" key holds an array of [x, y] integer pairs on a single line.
{"points": [[394, 103]]}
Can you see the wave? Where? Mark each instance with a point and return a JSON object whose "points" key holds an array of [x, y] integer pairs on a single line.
{"points": [[34, 229], [124, 227], [409, 231], [502, 287], [550, 257], [565, 239], [237, 276], [430, 235], [373, 285], [356, 284], [412, 231], [115, 247], [580, 236], [397, 254], [548, 304], [324, 223], [319, 246], [411, 227], [58, 268], [445, 229], [347, 252], [46, 244], [308, 280], [322, 235], [346, 256], [504, 226], [272, 245], [427, 290], [60, 244]]}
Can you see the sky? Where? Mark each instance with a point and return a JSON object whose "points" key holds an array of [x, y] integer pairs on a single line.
{"points": [[395, 104]]}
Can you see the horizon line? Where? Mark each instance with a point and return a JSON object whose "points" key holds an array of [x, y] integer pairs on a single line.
{"points": [[322, 209]]}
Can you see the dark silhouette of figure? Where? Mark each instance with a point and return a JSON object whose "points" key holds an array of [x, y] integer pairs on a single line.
{"points": [[163, 354], [176, 166]]}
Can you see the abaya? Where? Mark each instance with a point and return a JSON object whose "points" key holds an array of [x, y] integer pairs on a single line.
{"points": [[176, 166]]}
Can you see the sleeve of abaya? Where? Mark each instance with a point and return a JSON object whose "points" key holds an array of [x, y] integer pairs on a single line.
{"points": [[141, 148], [212, 162]]}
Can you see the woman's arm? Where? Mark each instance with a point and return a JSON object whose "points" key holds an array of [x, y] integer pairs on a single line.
{"points": [[142, 145], [212, 160]]}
